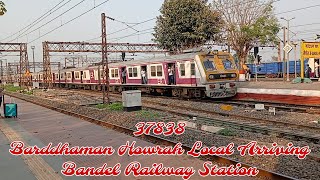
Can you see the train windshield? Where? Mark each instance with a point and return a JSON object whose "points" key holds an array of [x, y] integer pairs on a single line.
{"points": [[209, 65], [228, 65]]}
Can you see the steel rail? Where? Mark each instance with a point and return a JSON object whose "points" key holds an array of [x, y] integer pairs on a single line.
{"points": [[262, 172]]}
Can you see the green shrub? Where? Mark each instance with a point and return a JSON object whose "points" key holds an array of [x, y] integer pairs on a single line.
{"points": [[226, 132], [28, 92], [147, 114], [11, 88], [112, 107], [115, 107], [101, 106]]}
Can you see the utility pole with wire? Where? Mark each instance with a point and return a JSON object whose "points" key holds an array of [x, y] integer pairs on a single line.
{"points": [[34, 65], [288, 40], [105, 60]]}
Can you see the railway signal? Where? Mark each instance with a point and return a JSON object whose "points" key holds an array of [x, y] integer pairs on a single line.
{"points": [[256, 51]]}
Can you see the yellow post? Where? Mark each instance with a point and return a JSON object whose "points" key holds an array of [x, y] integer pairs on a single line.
{"points": [[302, 60], [302, 67]]}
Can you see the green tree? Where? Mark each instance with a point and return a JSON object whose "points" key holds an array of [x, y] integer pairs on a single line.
{"points": [[248, 23], [186, 24], [250, 59], [2, 8]]}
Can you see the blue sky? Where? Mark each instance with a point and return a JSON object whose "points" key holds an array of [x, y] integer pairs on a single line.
{"points": [[21, 13]]}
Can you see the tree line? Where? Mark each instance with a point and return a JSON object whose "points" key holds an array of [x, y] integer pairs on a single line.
{"points": [[2, 8], [241, 24]]}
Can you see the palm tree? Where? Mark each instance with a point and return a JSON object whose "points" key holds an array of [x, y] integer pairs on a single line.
{"points": [[2, 8]]}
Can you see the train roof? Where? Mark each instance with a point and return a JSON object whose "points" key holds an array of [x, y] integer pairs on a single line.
{"points": [[142, 61], [155, 60]]}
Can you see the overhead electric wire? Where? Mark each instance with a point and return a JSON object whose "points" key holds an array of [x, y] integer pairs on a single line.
{"points": [[136, 24], [299, 9], [133, 34], [71, 20], [38, 19], [54, 18]]}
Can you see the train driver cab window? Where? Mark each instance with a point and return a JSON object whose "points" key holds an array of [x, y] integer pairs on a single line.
{"points": [[193, 69], [209, 65], [133, 72], [182, 70], [228, 64]]}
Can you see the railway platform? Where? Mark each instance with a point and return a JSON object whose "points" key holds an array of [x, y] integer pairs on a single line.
{"points": [[280, 91], [39, 126]]}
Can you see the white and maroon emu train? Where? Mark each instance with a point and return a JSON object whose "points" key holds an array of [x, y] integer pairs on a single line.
{"points": [[187, 75]]}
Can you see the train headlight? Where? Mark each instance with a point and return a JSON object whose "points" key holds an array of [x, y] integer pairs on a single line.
{"points": [[233, 75], [211, 76]]}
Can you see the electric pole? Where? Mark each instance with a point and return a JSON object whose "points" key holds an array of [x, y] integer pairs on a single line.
{"points": [[1, 71], [288, 40], [105, 60], [34, 64], [279, 52]]}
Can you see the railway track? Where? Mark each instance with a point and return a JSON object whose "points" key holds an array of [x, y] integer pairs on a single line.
{"points": [[311, 109], [161, 141], [240, 122], [258, 127]]}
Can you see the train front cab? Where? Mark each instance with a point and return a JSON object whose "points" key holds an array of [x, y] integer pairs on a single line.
{"points": [[218, 73]]}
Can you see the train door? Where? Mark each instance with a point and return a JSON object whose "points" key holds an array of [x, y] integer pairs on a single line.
{"points": [[144, 72], [123, 75], [172, 75], [72, 76], [81, 76]]}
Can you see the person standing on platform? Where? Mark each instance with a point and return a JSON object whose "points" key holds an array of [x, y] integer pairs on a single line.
{"points": [[1, 93], [308, 71], [316, 69], [249, 74]]}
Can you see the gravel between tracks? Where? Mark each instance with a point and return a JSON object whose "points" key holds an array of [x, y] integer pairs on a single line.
{"points": [[291, 166]]}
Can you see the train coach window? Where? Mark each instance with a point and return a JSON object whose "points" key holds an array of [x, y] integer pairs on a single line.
{"points": [[228, 64], [61, 76], [77, 75], [84, 75], [114, 73], [156, 71], [209, 65], [182, 70], [193, 69], [159, 71], [133, 72], [153, 71]]}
